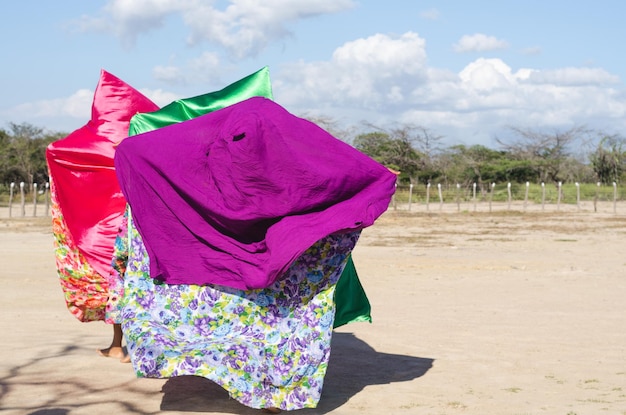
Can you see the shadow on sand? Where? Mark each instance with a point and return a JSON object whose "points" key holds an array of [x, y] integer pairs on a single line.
{"points": [[353, 366]]}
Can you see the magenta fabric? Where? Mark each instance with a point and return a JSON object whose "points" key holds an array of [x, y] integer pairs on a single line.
{"points": [[235, 196]]}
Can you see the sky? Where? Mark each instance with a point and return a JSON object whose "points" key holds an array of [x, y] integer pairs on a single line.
{"points": [[467, 71]]}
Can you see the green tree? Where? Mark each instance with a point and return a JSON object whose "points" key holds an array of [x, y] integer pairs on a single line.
{"points": [[547, 153], [395, 152], [23, 153], [609, 159], [409, 148]]}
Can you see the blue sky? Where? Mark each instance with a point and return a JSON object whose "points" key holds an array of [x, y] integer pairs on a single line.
{"points": [[467, 71]]}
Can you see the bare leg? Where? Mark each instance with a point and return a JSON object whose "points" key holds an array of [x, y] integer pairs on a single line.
{"points": [[116, 350]]}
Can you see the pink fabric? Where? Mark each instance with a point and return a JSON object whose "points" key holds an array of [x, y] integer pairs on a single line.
{"points": [[81, 167]]}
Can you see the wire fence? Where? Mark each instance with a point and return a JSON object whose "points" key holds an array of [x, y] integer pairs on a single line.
{"points": [[511, 196], [28, 200], [34, 200]]}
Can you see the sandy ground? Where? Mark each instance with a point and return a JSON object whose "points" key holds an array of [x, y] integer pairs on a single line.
{"points": [[503, 312]]}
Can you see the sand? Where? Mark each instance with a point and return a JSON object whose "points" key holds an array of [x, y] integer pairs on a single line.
{"points": [[502, 312]]}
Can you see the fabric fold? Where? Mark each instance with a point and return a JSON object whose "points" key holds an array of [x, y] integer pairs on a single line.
{"points": [[87, 203], [241, 192], [351, 300]]}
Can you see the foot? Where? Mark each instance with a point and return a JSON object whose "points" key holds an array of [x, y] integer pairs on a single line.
{"points": [[114, 352]]}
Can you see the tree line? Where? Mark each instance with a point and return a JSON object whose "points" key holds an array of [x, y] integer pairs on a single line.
{"points": [[574, 155], [23, 153], [571, 155]]}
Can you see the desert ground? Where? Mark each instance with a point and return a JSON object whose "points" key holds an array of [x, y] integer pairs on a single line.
{"points": [[504, 311]]}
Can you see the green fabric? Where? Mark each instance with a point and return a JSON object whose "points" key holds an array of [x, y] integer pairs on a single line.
{"points": [[350, 298], [254, 85]]}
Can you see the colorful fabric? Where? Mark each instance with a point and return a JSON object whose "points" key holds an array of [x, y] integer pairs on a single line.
{"points": [[350, 298], [85, 290], [268, 347], [87, 204], [352, 304], [256, 84], [115, 279], [247, 189], [81, 166]]}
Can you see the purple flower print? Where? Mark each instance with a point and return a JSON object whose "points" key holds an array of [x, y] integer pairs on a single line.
{"points": [[189, 365], [146, 300], [202, 326], [265, 347], [310, 316]]}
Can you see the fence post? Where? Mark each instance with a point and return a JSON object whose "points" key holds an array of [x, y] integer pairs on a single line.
{"points": [[595, 198], [558, 200], [22, 201], [427, 196], [47, 199], [614, 197], [410, 195], [11, 187], [543, 195], [526, 196], [34, 199], [458, 201], [578, 196], [440, 197], [493, 185], [474, 195], [508, 190]]}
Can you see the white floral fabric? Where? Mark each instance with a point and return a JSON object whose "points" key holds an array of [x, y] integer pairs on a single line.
{"points": [[268, 347]]}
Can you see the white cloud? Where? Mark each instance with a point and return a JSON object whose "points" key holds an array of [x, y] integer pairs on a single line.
{"points": [[382, 79], [362, 73], [488, 96], [386, 80], [67, 114], [479, 43], [54, 114], [246, 26], [574, 76], [404, 54], [242, 27], [159, 96], [487, 75], [77, 105], [199, 70], [127, 19]]}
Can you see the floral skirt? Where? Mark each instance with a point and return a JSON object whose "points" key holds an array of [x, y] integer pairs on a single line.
{"points": [[268, 347], [86, 291]]}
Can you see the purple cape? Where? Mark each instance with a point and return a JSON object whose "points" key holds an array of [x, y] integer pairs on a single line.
{"points": [[235, 196]]}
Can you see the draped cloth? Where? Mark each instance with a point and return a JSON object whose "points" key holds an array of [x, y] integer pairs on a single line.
{"points": [[350, 297], [216, 202], [87, 204], [255, 84], [241, 192], [267, 347]]}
